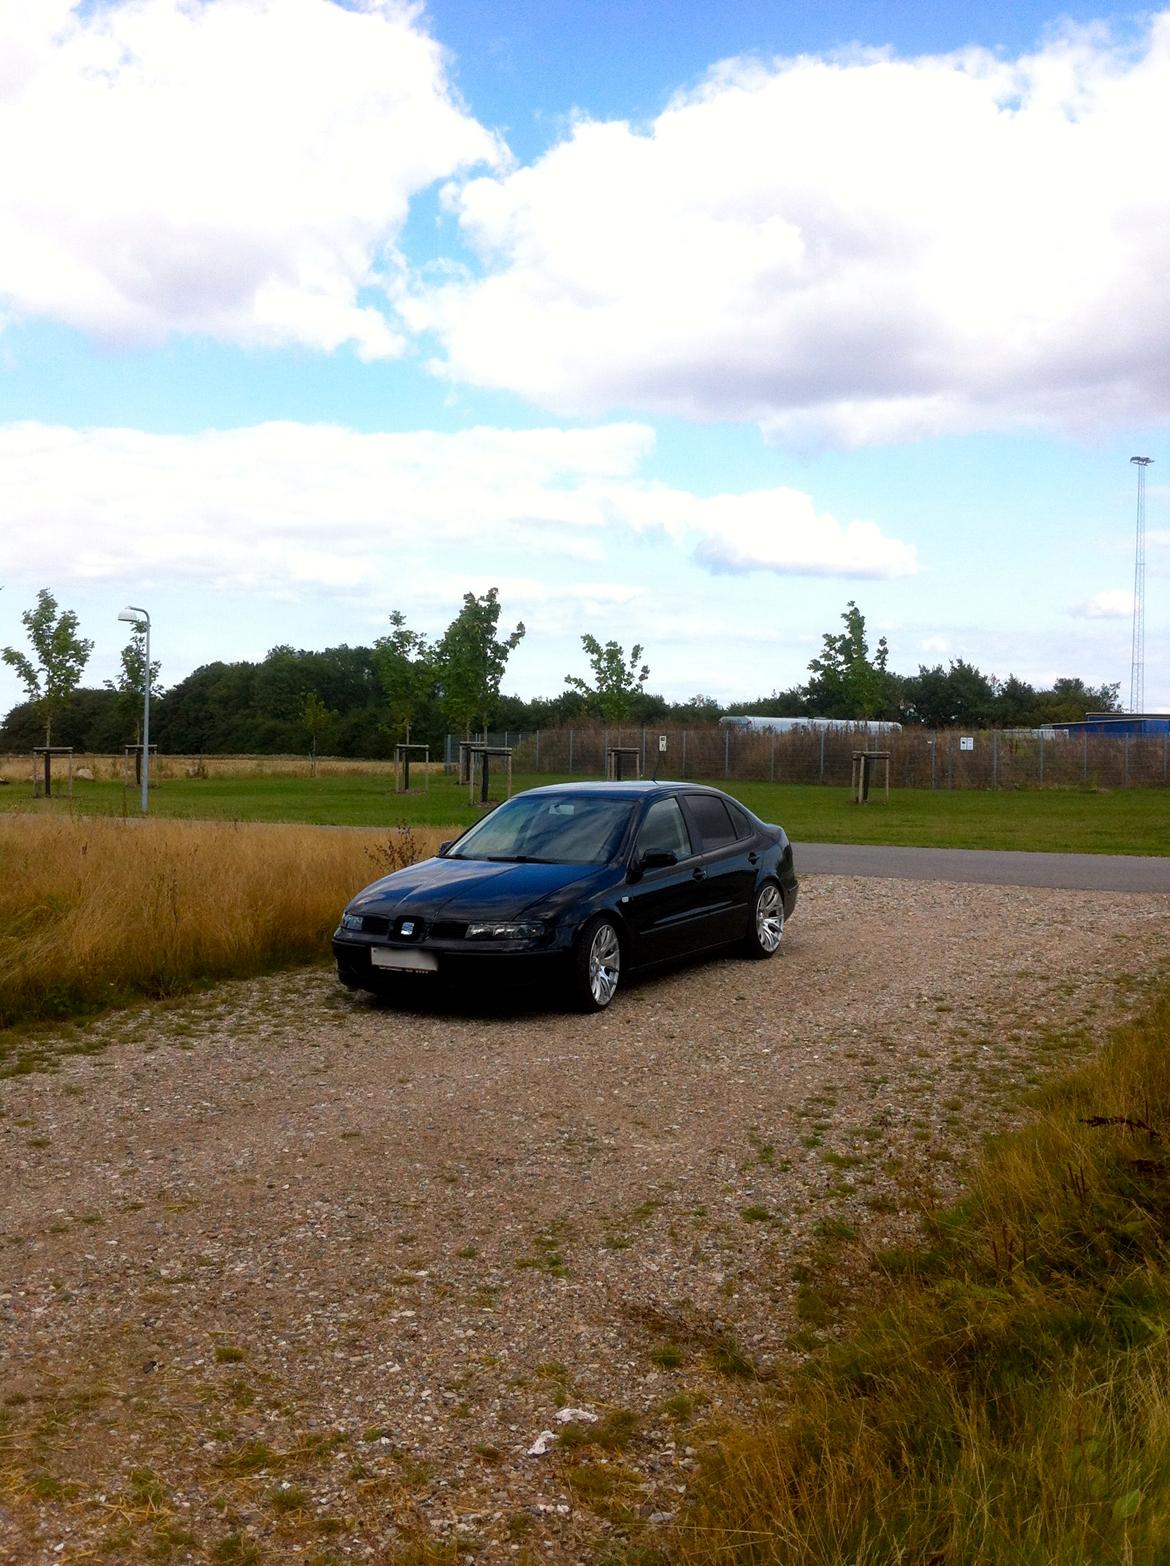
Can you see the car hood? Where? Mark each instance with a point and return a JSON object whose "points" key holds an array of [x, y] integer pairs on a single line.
{"points": [[476, 888]]}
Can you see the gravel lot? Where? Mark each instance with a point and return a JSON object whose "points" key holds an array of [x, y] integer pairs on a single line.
{"points": [[287, 1275]]}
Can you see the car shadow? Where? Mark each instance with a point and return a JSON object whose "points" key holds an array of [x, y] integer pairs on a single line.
{"points": [[463, 998]]}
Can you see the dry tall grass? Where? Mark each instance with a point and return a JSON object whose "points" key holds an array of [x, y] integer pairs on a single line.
{"points": [[1010, 1399], [16, 768], [93, 911]]}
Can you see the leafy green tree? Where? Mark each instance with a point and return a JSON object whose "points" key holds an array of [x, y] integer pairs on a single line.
{"points": [[60, 656], [471, 658], [316, 720], [846, 682], [617, 680], [129, 687], [1070, 699], [941, 698], [405, 662]]}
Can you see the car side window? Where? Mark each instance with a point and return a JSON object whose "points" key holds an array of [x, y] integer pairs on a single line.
{"points": [[743, 827], [664, 831], [713, 820]]}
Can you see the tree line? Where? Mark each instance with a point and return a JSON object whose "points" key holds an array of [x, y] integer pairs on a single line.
{"points": [[361, 701]]}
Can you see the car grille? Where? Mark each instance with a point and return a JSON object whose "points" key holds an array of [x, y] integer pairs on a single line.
{"points": [[441, 930]]}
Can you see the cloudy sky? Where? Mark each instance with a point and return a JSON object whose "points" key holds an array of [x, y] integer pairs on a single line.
{"points": [[680, 323]]}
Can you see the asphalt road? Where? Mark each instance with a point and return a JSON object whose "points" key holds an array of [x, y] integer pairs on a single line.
{"points": [[988, 867]]}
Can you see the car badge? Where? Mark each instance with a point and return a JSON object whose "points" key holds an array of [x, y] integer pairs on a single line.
{"points": [[407, 927]]}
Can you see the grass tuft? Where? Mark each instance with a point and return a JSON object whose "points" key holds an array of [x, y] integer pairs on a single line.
{"points": [[1006, 1397]]}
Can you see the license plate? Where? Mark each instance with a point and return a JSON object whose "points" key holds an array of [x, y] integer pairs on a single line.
{"points": [[403, 961]]}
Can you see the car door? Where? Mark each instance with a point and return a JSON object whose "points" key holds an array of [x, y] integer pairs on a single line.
{"points": [[726, 872], [664, 905]]}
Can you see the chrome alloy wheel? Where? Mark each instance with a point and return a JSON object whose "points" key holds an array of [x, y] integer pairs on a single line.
{"points": [[605, 962], [769, 918]]}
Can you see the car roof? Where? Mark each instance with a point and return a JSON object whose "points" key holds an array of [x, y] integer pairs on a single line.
{"points": [[631, 788]]}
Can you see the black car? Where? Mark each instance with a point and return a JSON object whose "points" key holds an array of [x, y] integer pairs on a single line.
{"points": [[583, 881]]}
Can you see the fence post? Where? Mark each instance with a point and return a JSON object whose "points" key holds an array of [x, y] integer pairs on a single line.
{"points": [[1165, 753], [538, 750], [1125, 775], [1085, 757], [822, 755], [570, 750], [684, 754], [995, 758], [726, 754], [772, 760], [1041, 758], [643, 750]]}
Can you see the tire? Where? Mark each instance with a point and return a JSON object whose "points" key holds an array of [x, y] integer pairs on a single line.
{"points": [[597, 965], [766, 929]]}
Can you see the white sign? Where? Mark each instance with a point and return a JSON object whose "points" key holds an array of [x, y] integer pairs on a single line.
{"points": [[966, 742], [662, 744]]}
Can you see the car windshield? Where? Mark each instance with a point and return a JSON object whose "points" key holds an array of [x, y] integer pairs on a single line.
{"points": [[571, 829]]}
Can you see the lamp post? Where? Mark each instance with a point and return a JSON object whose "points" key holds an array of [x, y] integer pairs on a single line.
{"points": [[139, 617]]}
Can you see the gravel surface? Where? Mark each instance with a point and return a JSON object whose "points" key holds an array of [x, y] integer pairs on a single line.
{"points": [[288, 1275]]}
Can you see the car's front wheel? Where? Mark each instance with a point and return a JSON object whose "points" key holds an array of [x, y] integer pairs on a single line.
{"points": [[766, 930], [597, 965]]}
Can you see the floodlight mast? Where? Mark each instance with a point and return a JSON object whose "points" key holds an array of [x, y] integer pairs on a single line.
{"points": [[140, 618], [1137, 664]]}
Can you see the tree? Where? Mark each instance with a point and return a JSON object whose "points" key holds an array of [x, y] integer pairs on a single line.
{"points": [[61, 655], [129, 687], [316, 720], [405, 662], [940, 698], [471, 659], [617, 680], [846, 682], [1070, 700]]}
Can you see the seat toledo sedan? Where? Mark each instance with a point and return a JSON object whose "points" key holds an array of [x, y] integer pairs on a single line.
{"points": [[579, 882]]}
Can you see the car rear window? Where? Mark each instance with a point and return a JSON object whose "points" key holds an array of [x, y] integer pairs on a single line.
{"points": [[713, 820]]}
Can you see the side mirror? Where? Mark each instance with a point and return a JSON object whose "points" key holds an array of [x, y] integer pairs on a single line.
{"points": [[658, 860], [445, 848]]}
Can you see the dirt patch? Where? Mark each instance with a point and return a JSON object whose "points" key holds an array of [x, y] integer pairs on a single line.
{"points": [[288, 1275]]}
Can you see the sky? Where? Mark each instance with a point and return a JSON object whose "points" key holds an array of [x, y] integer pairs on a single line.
{"points": [[680, 324]]}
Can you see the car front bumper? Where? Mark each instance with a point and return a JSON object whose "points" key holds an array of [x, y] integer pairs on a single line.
{"points": [[363, 963]]}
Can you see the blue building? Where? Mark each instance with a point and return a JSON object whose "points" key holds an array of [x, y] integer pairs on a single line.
{"points": [[1120, 723]]}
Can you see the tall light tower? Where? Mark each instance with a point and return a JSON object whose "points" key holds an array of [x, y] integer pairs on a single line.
{"points": [[1137, 666]]}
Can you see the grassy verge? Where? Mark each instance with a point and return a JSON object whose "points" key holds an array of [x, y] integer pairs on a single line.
{"points": [[95, 912], [1010, 1398], [1131, 821]]}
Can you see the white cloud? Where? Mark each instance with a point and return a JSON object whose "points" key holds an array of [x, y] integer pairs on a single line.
{"points": [[281, 507], [1113, 604], [853, 249], [240, 169], [781, 530]]}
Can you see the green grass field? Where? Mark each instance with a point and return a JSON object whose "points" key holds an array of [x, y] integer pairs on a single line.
{"points": [[1131, 821]]}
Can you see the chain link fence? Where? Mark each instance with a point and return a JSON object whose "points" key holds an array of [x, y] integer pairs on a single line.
{"points": [[918, 759]]}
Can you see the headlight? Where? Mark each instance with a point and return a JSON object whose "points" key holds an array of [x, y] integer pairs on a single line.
{"points": [[351, 922], [514, 930]]}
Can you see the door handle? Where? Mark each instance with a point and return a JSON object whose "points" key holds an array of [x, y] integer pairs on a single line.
{"points": [[753, 859], [699, 875]]}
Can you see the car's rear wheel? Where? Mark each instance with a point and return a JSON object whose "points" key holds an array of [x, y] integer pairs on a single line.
{"points": [[766, 930], [597, 965]]}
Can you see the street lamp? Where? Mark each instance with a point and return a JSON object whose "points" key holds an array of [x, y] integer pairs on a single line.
{"points": [[140, 617]]}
